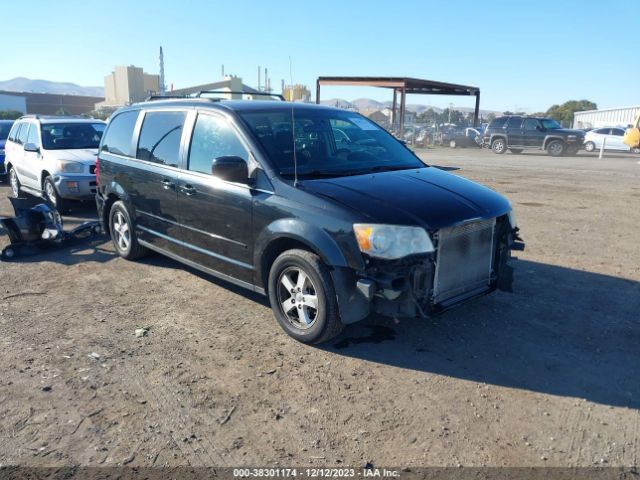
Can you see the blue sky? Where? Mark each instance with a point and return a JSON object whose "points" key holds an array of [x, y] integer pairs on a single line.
{"points": [[522, 54]]}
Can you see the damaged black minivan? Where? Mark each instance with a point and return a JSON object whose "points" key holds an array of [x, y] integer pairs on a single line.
{"points": [[318, 208]]}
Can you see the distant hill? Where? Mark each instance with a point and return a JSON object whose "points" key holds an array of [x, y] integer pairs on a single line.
{"points": [[370, 104], [21, 84]]}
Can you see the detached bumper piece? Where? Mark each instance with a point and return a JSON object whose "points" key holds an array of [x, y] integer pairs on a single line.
{"points": [[469, 261], [39, 227]]}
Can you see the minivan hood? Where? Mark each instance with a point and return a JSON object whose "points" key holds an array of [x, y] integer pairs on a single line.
{"points": [[428, 197], [83, 155]]}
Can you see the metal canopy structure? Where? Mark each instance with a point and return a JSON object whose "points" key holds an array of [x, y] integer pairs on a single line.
{"points": [[403, 86]]}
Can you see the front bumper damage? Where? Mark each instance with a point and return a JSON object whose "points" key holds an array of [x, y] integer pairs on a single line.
{"points": [[406, 287]]}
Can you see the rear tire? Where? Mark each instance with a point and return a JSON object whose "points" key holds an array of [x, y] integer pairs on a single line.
{"points": [[515, 150], [303, 297], [499, 146], [123, 234], [52, 196], [589, 146], [556, 148], [14, 181]]}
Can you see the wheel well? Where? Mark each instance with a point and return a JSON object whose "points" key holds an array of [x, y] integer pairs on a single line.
{"points": [[273, 250], [111, 199], [496, 137], [552, 139], [44, 175]]}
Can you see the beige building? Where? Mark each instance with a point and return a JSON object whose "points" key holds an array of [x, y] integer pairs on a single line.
{"points": [[126, 85], [228, 84], [296, 93]]}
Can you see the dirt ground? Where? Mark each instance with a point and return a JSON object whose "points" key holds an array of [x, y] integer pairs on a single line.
{"points": [[548, 375]]}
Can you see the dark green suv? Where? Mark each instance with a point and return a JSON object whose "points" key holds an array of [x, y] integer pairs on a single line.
{"points": [[517, 133]]}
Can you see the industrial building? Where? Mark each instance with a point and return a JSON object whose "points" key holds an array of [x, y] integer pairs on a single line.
{"points": [[229, 84], [606, 117], [127, 85], [47, 103], [296, 93]]}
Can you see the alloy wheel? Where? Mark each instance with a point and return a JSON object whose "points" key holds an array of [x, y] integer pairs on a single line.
{"points": [[121, 231], [49, 190], [555, 148], [298, 298]]}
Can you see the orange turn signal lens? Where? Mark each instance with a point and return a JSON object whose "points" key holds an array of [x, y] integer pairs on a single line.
{"points": [[363, 236]]}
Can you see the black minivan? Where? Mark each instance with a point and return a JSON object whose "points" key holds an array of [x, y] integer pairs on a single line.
{"points": [[318, 208]]}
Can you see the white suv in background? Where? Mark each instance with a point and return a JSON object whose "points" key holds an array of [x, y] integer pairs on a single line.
{"points": [[54, 157]]}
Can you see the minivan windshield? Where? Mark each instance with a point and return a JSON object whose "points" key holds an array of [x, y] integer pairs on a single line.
{"points": [[62, 136], [328, 143], [550, 124]]}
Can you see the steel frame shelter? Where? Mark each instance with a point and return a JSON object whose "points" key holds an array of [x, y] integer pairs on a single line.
{"points": [[403, 86]]}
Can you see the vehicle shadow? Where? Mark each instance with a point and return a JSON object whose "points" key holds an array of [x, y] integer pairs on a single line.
{"points": [[563, 332], [158, 260], [89, 250]]}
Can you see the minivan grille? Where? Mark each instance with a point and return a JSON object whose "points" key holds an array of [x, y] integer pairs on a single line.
{"points": [[464, 259]]}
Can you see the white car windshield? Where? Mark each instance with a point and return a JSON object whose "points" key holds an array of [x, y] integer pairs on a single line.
{"points": [[63, 136]]}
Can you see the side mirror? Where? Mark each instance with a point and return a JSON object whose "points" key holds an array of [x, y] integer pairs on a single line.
{"points": [[31, 147], [230, 168]]}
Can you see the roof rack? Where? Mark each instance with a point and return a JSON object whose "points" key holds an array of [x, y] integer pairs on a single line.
{"points": [[152, 98], [234, 92]]}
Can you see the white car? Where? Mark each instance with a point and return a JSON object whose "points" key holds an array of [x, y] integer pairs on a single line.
{"points": [[54, 157], [612, 136]]}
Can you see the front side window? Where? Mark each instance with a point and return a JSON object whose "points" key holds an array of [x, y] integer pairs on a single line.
{"points": [[160, 137], [550, 124], [23, 133], [530, 124], [64, 136], [326, 143], [32, 136], [212, 137], [618, 132]]}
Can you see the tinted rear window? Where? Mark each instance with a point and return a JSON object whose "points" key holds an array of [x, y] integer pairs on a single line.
{"points": [[118, 137], [498, 122], [160, 137], [514, 122]]}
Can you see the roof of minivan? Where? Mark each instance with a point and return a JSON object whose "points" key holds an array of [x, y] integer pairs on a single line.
{"points": [[56, 119], [235, 105]]}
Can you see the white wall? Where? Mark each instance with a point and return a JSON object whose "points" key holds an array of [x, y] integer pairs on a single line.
{"points": [[611, 117]]}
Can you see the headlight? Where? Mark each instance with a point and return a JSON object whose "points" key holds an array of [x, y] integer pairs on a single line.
{"points": [[391, 241], [571, 137], [1, 151], [512, 219], [67, 166]]}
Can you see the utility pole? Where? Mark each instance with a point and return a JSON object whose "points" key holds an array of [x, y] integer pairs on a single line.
{"points": [[162, 86]]}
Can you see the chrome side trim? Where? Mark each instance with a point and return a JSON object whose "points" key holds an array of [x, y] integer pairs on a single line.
{"points": [[197, 249], [215, 273], [212, 235]]}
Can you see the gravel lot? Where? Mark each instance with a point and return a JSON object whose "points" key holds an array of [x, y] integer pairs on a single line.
{"points": [[548, 375]]}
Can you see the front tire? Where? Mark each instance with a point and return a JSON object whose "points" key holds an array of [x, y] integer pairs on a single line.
{"points": [[52, 196], [453, 144], [499, 146], [303, 298], [556, 148], [14, 181], [589, 146], [123, 233]]}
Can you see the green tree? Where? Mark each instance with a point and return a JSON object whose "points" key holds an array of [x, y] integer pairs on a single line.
{"points": [[564, 113], [10, 114]]}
